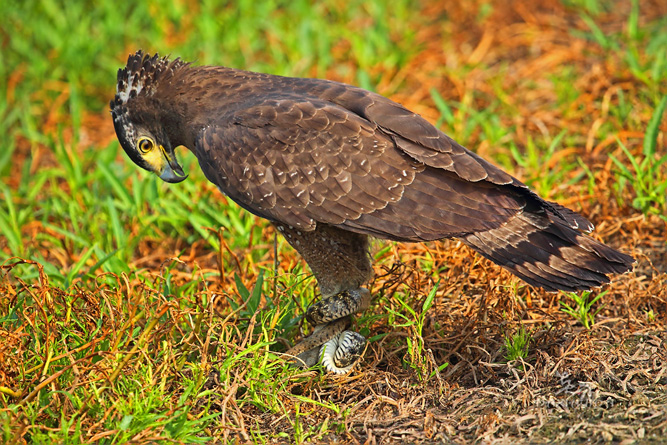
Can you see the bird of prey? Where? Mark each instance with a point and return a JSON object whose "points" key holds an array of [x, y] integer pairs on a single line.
{"points": [[329, 165]]}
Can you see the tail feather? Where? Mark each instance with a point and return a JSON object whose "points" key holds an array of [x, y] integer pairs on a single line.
{"points": [[547, 250]]}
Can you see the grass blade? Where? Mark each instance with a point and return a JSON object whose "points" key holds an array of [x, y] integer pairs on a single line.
{"points": [[653, 127]]}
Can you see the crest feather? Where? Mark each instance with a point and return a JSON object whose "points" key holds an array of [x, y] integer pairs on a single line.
{"points": [[141, 74]]}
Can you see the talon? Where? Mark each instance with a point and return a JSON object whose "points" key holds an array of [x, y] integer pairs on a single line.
{"points": [[341, 352]]}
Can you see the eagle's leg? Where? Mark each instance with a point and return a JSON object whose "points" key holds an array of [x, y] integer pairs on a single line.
{"points": [[341, 263]]}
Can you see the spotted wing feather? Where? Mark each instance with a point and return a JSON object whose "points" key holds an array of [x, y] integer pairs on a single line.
{"points": [[307, 162]]}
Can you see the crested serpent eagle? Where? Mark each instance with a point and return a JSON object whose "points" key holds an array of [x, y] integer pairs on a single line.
{"points": [[329, 165]]}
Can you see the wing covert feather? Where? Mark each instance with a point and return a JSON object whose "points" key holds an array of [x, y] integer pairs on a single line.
{"points": [[303, 162]]}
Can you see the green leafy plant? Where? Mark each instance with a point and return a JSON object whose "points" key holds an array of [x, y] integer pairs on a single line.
{"points": [[417, 359], [279, 318], [647, 174], [516, 345], [582, 309]]}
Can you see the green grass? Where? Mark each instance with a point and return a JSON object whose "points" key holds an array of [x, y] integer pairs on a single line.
{"points": [[516, 345], [646, 172], [110, 331], [582, 308], [416, 357]]}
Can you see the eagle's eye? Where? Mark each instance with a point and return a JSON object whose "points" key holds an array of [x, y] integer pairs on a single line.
{"points": [[145, 145]]}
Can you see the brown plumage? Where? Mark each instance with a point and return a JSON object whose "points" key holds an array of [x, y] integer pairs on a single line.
{"points": [[334, 163]]}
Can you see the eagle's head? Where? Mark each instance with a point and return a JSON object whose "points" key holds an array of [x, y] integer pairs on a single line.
{"points": [[136, 114]]}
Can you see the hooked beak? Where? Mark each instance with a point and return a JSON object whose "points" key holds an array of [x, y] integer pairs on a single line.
{"points": [[172, 173]]}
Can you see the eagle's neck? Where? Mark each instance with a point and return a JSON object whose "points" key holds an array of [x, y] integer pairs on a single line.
{"points": [[196, 97]]}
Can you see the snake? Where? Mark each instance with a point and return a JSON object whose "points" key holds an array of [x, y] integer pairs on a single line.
{"points": [[331, 344]]}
